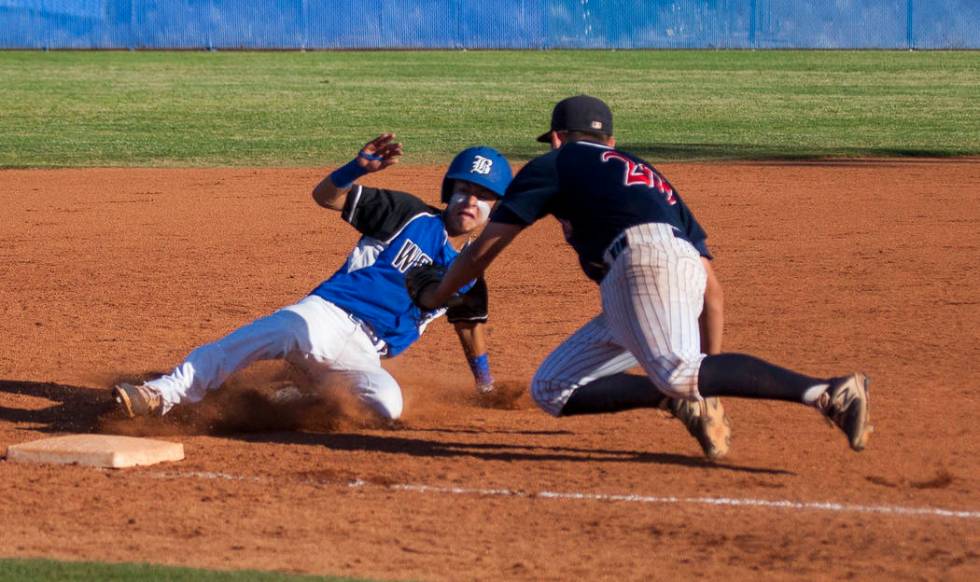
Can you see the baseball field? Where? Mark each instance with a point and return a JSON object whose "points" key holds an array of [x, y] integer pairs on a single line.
{"points": [[155, 201]]}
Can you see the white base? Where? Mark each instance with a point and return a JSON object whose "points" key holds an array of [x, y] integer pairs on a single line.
{"points": [[96, 450]]}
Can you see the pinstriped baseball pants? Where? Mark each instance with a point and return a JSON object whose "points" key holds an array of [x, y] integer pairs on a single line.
{"points": [[652, 298]]}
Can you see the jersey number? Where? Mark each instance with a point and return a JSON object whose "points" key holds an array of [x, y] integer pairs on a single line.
{"points": [[642, 175]]}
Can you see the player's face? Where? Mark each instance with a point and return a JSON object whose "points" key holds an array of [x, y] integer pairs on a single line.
{"points": [[469, 207]]}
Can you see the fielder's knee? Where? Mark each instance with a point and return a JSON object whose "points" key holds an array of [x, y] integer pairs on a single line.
{"points": [[682, 382], [550, 395]]}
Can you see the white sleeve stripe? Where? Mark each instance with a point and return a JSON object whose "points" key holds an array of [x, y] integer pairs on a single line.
{"points": [[353, 207], [405, 225], [595, 145]]}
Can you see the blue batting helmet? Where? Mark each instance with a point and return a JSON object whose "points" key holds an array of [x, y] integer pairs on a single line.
{"points": [[480, 165]]}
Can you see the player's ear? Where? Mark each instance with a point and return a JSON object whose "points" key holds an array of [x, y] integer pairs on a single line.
{"points": [[611, 142], [556, 140]]}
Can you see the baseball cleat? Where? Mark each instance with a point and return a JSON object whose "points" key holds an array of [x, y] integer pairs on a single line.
{"points": [[288, 394], [137, 400], [706, 421], [847, 405], [291, 395]]}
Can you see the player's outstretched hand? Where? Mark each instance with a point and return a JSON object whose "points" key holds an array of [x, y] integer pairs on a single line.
{"points": [[379, 153]]}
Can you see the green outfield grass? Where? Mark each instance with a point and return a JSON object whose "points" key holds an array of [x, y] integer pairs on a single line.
{"points": [[300, 109], [49, 570]]}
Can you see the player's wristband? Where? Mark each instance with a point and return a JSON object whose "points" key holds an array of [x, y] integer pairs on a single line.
{"points": [[369, 157], [480, 366], [345, 175]]}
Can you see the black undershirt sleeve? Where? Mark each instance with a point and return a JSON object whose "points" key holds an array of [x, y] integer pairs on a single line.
{"points": [[380, 213]]}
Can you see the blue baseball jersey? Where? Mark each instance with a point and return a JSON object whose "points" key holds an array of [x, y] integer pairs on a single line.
{"points": [[596, 192], [399, 232]]}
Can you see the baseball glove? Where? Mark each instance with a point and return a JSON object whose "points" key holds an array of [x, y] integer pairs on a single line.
{"points": [[419, 278]]}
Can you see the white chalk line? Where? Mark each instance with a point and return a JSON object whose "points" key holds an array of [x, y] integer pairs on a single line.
{"points": [[605, 497]]}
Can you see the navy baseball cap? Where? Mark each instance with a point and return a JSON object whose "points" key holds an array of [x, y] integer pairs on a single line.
{"points": [[579, 113]]}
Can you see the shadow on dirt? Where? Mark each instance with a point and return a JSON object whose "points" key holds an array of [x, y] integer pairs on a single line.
{"points": [[417, 447], [242, 407], [74, 408], [492, 431], [252, 414]]}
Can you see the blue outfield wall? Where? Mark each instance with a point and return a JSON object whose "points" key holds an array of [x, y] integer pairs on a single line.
{"points": [[513, 24]]}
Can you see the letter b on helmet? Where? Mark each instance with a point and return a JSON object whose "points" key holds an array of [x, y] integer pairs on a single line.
{"points": [[481, 165]]}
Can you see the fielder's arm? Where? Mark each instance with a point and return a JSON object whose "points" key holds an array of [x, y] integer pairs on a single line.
{"points": [[375, 156], [712, 320], [471, 263]]}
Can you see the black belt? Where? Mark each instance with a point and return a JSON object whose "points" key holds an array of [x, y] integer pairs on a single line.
{"points": [[622, 242], [379, 344], [619, 244]]}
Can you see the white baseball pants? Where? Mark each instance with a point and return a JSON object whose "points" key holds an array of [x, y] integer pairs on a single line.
{"points": [[652, 298], [314, 335]]}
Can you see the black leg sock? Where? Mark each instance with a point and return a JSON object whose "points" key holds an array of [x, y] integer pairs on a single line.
{"points": [[614, 394], [750, 377]]}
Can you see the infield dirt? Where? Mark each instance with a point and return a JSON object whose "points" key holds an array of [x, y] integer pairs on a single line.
{"points": [[829, 267]]}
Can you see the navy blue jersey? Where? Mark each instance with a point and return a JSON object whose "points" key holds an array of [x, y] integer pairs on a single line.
{"points": [[400, 231], [596, 192]]}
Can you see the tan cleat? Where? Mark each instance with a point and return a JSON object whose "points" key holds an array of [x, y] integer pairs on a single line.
{"points": [[138, 400], [288, 394], [847, 405], [706, 421]]}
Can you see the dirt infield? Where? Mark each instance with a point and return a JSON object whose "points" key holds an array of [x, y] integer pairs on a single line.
{"points": [[829, 267]]}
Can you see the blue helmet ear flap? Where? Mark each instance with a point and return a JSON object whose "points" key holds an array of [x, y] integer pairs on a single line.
{"points": [[480, 165]]}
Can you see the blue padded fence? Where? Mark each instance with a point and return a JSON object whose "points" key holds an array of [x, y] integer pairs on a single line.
{"points": [[515, 24]]}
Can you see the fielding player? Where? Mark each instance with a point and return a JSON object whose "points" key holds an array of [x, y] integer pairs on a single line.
{"points": [[661, 301]]}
